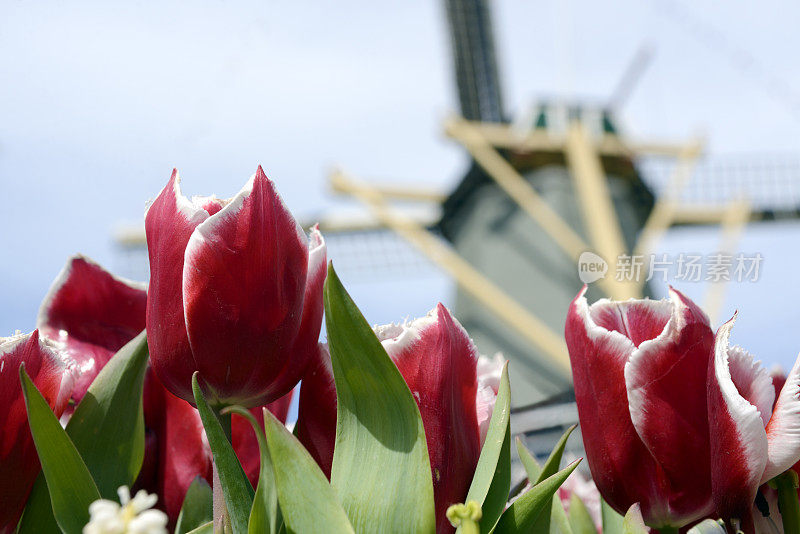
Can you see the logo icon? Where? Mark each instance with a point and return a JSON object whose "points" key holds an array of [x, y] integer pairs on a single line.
{"points": [[591, 267]]}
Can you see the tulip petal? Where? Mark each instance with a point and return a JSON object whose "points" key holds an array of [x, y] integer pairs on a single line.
{"points": [[316, 419], [614, 450], [91, 314], [489, 371], [783, 429], [244, 276], [305, 344], [738, 438], [439, 363], [53, 376], [637, 320], [169, 223], [666, 382]]}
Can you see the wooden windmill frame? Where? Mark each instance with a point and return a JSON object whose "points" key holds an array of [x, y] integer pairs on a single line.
{"points": [[583, 154]]}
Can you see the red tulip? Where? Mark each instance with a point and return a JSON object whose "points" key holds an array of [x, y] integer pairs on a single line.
{"points": [[91, 314], [53, 375], [640, 370], [439, 363], [235, 293], [751, 442]]}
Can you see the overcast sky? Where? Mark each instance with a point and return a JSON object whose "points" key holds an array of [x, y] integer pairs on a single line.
{"points": [[98, 102]]}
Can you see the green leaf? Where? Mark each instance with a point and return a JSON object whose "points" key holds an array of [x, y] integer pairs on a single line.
{"points": [[554, 460], [107, 429], [633, 523], [264, 515], [71, 487], [308, 502], [381, 469], [708, 526], [560, 522], [197, 508], [579, 517], [521, 515], [612, 520], [207, 528], [786, 483], [492, 479], [236, 488], [532, 467], [550, 468]]}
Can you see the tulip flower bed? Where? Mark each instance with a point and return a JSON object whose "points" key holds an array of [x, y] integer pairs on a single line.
{"points": [[162, 408]]}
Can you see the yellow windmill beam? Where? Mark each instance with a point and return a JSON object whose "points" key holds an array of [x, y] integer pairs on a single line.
{"points": [[505, 136], [664, 212], [600, 217], [471, 280]]}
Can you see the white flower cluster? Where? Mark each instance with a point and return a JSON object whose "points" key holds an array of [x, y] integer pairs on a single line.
{"points": [[130, 516]]}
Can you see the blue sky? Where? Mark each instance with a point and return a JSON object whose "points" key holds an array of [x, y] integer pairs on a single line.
{"points": [[98, 102]]}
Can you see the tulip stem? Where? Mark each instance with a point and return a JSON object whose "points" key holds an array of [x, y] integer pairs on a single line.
{"points": [[668, 530], [788, 503], [222, 521]]}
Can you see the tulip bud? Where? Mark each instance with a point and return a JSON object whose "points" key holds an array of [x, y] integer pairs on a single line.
{"points": [[640, 370], [235, 293]]}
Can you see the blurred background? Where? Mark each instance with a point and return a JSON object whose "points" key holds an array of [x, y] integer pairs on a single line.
{"points": [[463, 151]]}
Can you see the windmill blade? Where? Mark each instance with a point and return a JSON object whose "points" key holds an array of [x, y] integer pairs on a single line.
{"points": [[631, 76], [477, 80]]}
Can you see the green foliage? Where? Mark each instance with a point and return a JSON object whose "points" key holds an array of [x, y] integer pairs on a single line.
{"points": [[107, 427], [107, 430], [532, 467], [579, 517], [612, 521], [380, 467], [492, 480], [558, 521], [72, 489], [197, 508], [235, 486], [550, 468], [520, 517], [264, 515], [307, 500], [786, 484]]}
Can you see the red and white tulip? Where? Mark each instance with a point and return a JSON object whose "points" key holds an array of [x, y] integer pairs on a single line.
{"points": [[235, 293], [674, 417], [640, 370]]}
